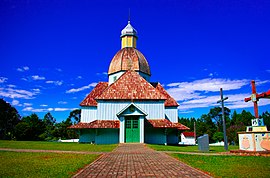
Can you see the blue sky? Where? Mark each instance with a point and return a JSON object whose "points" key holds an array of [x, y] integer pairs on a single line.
{"points": [[53, 53]]}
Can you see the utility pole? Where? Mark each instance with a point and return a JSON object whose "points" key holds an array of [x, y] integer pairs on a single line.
{"points": [[195, 132], [223, 118]]}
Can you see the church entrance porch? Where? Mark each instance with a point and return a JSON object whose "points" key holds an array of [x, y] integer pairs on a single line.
{"points": [[132, 129]]}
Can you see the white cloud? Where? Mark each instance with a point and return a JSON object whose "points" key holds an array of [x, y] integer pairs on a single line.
{"points": [[62, 102], [25, 79], [22, 69], [17, 93], [196, 94], [79, 77], [185, 112], [11, 86], [27, 104], [235, 101], [15, 103], [212, 85], [257, 83], [102, 73], [31, 109], [43, 105], [37, 77], [57, 83], [3, 79], [59, 70], [64, 109], [74, 90], [36, 90]]}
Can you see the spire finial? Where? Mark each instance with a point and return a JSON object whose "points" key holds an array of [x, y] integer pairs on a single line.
{"points": [[128, 15]]}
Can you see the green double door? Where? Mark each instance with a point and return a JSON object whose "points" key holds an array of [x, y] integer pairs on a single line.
{"points": [[132, 126]]}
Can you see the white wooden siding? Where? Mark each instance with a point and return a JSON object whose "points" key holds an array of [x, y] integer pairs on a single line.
{"points": [[118, 74], [107, 110], [187, 140], [88, 114], [114, 76], [172, 113]]}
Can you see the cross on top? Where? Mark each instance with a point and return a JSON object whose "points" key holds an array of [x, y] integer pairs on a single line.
{"points": [[255, 97]]}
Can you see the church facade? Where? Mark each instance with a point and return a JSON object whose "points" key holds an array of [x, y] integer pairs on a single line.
{"points": [[129, 108]]}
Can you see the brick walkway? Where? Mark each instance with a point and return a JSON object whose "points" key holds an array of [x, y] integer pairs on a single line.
{"points": [[136, 160]]}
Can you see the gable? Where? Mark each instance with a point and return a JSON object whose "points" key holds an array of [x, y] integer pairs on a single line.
{"points": [[131, 86], [131, 109], [90, 98], [169, 100]]}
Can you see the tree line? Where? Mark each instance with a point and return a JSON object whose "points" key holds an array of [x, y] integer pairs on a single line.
{"points": [[13, 126], [212, 123]]}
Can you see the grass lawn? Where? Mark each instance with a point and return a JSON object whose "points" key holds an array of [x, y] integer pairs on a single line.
{"points": [[41, 145], [229, 166], [213, 149], [15, 164]]}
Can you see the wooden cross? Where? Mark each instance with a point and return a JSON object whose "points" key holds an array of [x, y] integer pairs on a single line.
{"points": [[255, 97]]}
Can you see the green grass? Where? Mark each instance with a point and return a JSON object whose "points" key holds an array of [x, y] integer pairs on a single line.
{"points": [[40, 145], [40, 165], [213, 149], [229, 166]]}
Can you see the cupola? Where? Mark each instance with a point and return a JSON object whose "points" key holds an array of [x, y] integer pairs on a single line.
{"points": [[129, 36], [128, 57]]}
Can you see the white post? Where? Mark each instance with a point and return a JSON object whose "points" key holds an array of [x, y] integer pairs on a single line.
{"points": [[141, 129], [122, 130]]}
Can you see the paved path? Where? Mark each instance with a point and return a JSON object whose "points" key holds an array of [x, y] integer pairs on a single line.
{"points": [[136, 160]]}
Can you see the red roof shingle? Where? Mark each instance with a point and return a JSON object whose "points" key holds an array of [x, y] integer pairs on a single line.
{"points": [[164, 123], [114, 124], [90, 99], [189, 134], [131, 86], [169, 101]]}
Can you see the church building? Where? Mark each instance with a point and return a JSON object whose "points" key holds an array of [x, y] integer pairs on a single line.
{"points": [[129, 108]]}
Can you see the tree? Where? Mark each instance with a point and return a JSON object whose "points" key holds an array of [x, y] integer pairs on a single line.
{"points": [[205, 125], [245, 117], [218, 136], [49, 122], [75, 115], [216, 115], [266, 118], [62, 131], [232, 132], [34, 128], [9, 118]]}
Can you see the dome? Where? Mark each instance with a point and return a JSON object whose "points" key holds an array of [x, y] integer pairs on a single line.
{"points": [[129, 58], [129, 31]]}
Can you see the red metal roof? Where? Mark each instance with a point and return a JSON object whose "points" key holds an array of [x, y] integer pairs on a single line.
{"points": [[169, 101], [90, 99], [131, 86], [164, 123], [114, 124], [189, 134]]}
